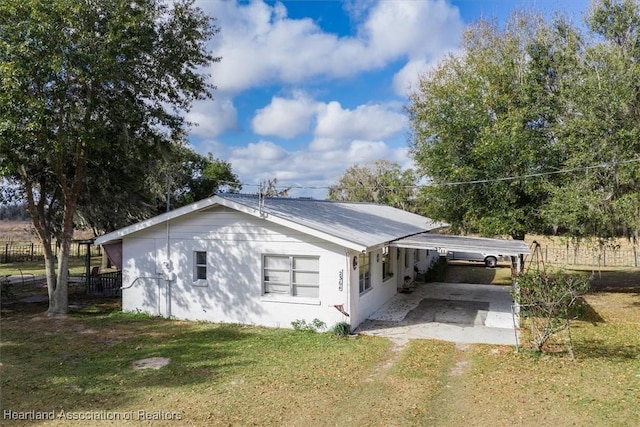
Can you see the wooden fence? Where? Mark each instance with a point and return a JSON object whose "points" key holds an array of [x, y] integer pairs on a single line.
{"points": [[25, 251]]}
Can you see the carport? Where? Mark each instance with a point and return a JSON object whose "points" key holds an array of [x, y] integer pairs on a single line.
{"points": [[458, 312], [444, 243]]}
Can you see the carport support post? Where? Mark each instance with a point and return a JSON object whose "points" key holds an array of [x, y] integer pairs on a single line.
{"points": [[87, 271]]}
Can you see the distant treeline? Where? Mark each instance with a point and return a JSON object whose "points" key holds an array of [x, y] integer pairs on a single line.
{"points": [[14, 212]]}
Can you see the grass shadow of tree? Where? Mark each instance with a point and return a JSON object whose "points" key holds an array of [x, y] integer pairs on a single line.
{"points": [[86, 361], [601, 349]]}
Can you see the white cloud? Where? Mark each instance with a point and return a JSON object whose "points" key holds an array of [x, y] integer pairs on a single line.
{"points": [[213, 117], [285, 118], [369, 122], [263, 151], [259, 44], [412, 28], [263, 160], [406, 80]]}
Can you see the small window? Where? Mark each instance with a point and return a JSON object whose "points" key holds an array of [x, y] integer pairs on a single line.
{"points": [[406, 258], [200, 270], [416, 255], [365, 272], [387, 269]]}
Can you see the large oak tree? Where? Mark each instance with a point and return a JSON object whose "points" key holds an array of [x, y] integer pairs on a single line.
{"points": [[535, 127], [88, 82]]}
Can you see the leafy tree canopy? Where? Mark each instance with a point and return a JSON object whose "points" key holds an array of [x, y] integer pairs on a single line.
{"points": [[381, 182], [535, 127], [92, 84]]}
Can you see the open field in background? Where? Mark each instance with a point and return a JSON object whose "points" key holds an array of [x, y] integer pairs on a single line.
{"points": [[23, 231], [237, 375], [18, 241]]}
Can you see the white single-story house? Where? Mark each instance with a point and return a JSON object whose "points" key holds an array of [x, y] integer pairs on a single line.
{"points": [[267, 261]]}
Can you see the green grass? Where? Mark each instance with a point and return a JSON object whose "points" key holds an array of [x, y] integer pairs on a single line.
{"points": [[222, 374], [472, 272], [36, 268]]}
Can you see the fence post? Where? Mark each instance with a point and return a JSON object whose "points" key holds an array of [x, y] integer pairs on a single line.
{"points": [[31, 252], [6, 253], [635, 256]]}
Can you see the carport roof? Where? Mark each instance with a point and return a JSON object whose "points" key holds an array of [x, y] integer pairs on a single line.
{"points": [[450, 243]]}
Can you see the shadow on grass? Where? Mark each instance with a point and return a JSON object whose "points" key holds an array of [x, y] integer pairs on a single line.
{"points": [[619, 281], [468, 272], [85, 360], [601, 349], [587, 313]]}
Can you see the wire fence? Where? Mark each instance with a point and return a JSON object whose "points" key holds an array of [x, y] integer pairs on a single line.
{"points": [[555, 255], [30, 251], [595, 257]]}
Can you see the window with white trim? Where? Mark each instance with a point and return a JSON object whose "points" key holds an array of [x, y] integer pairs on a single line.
{"points": [[387, 269], [365, 272], [291, 275], [200, 265]]}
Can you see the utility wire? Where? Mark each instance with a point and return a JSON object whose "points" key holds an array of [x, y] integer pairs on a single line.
{"points": [[452, 183]]}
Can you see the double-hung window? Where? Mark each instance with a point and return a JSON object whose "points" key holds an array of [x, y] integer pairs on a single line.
{"points": [[200, 266], [291, 275], [365, 272]]}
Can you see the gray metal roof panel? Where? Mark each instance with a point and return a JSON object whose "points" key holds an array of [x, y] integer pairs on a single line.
{"points": [[464, 243], [366, 224], [363, 224]]}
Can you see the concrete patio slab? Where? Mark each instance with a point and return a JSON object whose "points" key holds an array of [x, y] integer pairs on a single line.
{"points": [[457, 312]]}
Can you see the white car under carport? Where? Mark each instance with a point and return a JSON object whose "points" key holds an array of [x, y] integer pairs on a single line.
{"points": [[490, 259]]}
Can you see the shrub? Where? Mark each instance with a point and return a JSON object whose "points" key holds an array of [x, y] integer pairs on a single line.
{"points": [[341, 329], [550, 301], [316, 325]]}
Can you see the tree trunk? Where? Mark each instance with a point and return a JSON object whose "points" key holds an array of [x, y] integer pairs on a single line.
{"points": [[105, 262], [59, 297]]}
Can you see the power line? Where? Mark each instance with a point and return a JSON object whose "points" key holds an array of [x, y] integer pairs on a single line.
{"points": [[455, 183]]}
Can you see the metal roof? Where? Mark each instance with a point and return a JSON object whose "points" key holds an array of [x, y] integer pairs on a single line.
{"points": [[365, 224], [450, 243], [357, 226]]}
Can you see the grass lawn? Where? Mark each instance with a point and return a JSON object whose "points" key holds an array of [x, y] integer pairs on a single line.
{"points": [[236, 375], [76, 267]]}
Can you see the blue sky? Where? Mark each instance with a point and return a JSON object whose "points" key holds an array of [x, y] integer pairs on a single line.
{"points": [[306, 89]]}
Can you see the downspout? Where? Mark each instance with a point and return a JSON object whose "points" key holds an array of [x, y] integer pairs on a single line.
{"points": [[168, 271], [347, 280]]}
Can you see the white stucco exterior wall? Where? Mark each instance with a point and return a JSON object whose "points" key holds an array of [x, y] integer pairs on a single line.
{"points": [[159, 265], [158, 271], [383, 289]]}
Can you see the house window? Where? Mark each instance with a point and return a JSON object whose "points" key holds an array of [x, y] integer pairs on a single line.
{"points": [[291, 275], [387, 270], [406, 258], [416, 256], [365, 272], [200, 268]]}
